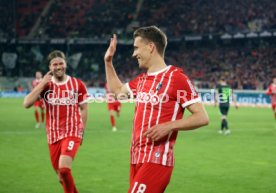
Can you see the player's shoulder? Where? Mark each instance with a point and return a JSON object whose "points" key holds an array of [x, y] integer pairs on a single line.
{"points": [[178, 72], [76, 79], [78, 82]]}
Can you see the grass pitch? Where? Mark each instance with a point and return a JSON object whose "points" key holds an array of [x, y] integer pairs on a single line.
{"points": [[206, 162]]}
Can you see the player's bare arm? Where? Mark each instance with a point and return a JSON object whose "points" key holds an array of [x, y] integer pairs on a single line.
{"points": [[84, 113], [114, 83], [30, 99], [198, 118]]}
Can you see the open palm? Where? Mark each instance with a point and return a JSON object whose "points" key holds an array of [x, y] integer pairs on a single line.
{"points": [[111, 49]]}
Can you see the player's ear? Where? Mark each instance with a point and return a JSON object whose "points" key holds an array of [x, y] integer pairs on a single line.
{"points": [[152, 47]]}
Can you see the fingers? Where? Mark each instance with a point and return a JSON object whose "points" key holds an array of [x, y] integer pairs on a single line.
{"points": [[49, 73], [150, 131], [114, 37], [152, 134], [113, 40], [147, 133], [47, 77]]}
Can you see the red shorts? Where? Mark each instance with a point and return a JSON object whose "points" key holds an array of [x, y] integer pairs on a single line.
{"points": [[67, 146], [39, 103], [116, 106], [149, 178]]}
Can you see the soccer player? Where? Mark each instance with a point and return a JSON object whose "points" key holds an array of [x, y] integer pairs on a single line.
{"points": [[39, 104], [162, 93], [223, 96], [272, 92], [65, 99], [114, 107]]}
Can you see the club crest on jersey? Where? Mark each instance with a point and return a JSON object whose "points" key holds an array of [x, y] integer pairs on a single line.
{"points": [[159, 86], [157, 154]]}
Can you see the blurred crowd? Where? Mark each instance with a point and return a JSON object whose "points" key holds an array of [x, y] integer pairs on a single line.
{"points": [[243, 66], [90, 19], [209, 16], [98, 19]]}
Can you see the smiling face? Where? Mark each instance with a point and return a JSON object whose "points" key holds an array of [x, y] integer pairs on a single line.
{"points": [[142, 52], [58, 67]]}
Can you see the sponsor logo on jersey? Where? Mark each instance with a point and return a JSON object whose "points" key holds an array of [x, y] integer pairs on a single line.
{"points": [[151, 97], [66, 98]]}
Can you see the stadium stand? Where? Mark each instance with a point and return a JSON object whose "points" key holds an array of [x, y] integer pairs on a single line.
{"points": [[82, 29], [7, 19], [28, 11], [88, 18], [96, 19], [209, 16]]}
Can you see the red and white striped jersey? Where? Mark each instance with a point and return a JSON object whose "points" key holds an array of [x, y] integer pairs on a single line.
{"points": [[62, 100], [272, 91], [161, 97]]}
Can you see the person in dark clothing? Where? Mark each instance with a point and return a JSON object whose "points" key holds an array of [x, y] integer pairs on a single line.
{"points": [[224, 97]]}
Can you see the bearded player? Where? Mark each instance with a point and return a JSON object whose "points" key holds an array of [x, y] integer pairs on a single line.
{"points": [[65, 99]]}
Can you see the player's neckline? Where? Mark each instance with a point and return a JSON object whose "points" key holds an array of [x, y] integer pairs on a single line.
{"points": [[61, 83], [159, 71]]}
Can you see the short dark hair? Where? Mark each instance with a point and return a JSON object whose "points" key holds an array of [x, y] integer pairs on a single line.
{"points": [[153, 34], [55, 54]]}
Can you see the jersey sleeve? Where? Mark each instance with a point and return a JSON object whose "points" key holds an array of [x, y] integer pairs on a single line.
{"points": [[83, 95], [132, 86], [185, 91]]}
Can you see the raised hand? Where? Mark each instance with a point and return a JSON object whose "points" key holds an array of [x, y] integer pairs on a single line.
{"points": [[47, 77], [111, 49]]}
